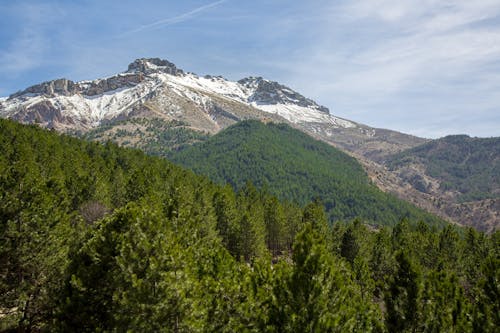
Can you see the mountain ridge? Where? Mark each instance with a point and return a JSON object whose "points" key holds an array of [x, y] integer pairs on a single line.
{"points": [[151, 73], [155, 88], [155, 91]]}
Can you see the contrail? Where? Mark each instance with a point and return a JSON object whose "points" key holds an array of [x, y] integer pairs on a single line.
{"points": [[176, 19]]}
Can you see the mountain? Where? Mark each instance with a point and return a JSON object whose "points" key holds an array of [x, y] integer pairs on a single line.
{"points": [[298, 168], [155, 88], [157, 107], [463, 172]]}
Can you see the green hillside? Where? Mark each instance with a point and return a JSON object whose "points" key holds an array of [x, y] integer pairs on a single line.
{"points": [[470, 166], [295, 167], [97, 238]]}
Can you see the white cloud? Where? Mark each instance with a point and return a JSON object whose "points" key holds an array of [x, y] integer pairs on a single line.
{"points": [[176, 19], [393, 58], [440, 44]]}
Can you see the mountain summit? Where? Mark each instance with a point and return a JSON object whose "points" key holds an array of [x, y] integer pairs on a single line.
{"points": [[63, 103], [156, 88]]}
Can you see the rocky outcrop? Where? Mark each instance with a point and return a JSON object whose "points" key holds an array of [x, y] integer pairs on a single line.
{"points": [[64, 87], [43, 112], [135, 74], [153, 65], [52, 88], [115, 82], [270, 92]]}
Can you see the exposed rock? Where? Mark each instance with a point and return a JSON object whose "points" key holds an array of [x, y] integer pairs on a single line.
{"points": [[52, 88], [115, 82], [153, 65], [270, 92], [43, 113]]}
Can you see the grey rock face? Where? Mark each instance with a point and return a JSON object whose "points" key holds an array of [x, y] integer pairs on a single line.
{"points": [[51, 88], [153, 65], [112, 83], [270, 92], [64, 87]]}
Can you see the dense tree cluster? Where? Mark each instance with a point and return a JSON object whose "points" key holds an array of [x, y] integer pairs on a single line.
{"points": [[99, 238], [295, 167]]}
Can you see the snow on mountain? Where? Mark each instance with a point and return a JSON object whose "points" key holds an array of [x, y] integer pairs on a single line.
{"points": [[86, 104], [273, 98], [83, 107]]}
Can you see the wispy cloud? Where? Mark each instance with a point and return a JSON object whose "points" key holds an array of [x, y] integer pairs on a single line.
{"points": [[408, 65], [384, 60], [175, 19], [26, 51]]}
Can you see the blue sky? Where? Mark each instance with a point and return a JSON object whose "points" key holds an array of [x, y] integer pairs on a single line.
{"points": [[425, 67]]}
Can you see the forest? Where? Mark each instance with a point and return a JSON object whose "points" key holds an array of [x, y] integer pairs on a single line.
{"points": [[468, 166], [98, 238], [295, 167]]}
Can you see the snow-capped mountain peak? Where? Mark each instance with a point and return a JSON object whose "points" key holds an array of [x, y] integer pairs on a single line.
{"points": [[63, 103]]}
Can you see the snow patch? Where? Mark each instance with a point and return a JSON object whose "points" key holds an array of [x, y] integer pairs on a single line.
{"points": [[299, 114], [94, 109]]}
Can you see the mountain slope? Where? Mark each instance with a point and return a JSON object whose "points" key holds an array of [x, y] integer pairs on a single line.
{"points": [[155, 88], [463, 171], [470, 167], [295, 167], [156, 106]]}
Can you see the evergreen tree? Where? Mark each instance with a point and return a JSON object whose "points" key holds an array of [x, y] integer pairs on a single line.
{"points": [[317, 295], [274, 219], [349, 246], [443, 305], [227, 218], [402, 297], [487, 309]]}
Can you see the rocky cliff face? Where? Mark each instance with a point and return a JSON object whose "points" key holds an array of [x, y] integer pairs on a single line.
{"points": [[98, 87], [270, 92], [153, 65], [43, 112], [65, 87], [59, 87]]}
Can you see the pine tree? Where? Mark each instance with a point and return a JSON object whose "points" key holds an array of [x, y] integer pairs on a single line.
{"points": [[227, 217], [317, 294], [403, 296], [443, 306], [274, 219], [349, 247]]}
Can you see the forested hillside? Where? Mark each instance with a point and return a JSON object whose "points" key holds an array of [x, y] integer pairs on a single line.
{"points": [[96, 238], [298, 168], [469, 167]]}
